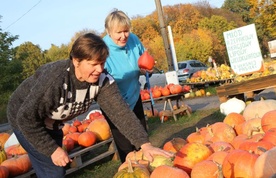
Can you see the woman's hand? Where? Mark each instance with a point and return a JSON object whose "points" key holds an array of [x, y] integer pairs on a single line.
{"points": [[149, 151], [60, 157], [143, 71]]}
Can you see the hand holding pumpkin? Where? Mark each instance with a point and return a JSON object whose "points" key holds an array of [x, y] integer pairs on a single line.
{"points": [[60, 157], [143, 71], [149, 151]]}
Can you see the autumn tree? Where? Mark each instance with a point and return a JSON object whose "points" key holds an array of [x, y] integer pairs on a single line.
{"points": [[183, 18], [217, 25], [264, 16]]}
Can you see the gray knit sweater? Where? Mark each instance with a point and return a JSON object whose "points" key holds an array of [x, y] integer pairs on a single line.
{"points": [[53, 95]]}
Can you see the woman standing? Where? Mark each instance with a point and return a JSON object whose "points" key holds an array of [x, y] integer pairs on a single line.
{"points": [[122, 63]]}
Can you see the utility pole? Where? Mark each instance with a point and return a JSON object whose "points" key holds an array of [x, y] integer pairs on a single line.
{"points": [[164, 34]]}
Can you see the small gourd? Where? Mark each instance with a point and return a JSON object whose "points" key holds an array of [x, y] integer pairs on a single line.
{"points": [[131, 172]]}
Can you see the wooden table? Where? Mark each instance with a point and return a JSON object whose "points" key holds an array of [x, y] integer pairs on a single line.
{"points": [[246, 89], [179, 98]]}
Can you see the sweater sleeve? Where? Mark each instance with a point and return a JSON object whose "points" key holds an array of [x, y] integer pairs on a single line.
{"points": [[28, 107], [112, 103]]}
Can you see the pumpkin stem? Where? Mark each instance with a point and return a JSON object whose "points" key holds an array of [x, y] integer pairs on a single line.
{"points": [[210, 131], [262, 149], [220, 173], [130, 168]]}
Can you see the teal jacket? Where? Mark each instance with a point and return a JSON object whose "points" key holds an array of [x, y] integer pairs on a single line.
{"points": [[122, 64]]}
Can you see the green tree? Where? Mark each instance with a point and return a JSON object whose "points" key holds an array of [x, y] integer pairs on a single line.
{"points": [[241, 7], [57, 53], [10, 71], [31, 56]]}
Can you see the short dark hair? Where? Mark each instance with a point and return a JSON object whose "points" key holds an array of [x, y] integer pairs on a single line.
{"points": [[90, 47]]}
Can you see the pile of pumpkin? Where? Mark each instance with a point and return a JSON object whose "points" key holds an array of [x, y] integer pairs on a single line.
{"points": [[159, 91], [242, 145], [225, 72], [14, 159], [87, 132]]}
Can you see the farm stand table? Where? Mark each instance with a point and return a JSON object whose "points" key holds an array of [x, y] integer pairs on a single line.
{"points": [[168, 100], [246, 89]]}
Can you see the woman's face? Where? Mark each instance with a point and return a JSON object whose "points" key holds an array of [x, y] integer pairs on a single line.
{"points": [[119, 34], [88, 70]]}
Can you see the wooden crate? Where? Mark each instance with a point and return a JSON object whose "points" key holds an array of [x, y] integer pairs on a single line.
{"points": [[247, 88], [85, 156]]}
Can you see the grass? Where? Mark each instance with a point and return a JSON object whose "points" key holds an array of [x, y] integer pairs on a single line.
{"points": [[159, 133]]}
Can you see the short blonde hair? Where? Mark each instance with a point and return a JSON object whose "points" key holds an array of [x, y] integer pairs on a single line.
{"points": [[116, 18]]}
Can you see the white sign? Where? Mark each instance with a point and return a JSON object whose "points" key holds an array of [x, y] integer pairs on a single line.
{"points": [[243, 49], [272, 48]]}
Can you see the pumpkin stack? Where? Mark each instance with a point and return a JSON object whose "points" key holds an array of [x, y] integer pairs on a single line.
{"points": [[87, 132], [242, 145], [14, 160]]}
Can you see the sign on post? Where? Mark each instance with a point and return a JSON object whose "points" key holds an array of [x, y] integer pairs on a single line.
{"points": [[243, 50]]}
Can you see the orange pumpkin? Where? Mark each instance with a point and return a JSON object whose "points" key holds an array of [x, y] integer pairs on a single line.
{"points": [[196, 136], [87, 139], [3, 138], [101, 128], [156, 93], [174, 145], [253, 146], [220, 146], [238, 140], [4, 172], [175, 89], [252, 126], [162, 114], [15, 149], [68, 143], [206, 168], [168, 172], [270, 136], [234, 120], [239, 163], [76, 123], [83, 126], [146, 61], [65, 128], [165, 91], [268, 120], [190, 154], [218, 157], [74, 136], [220, 131], [18, 165]]}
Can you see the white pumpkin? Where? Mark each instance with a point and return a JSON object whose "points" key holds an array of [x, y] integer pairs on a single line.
{"points": [[232, 105]]}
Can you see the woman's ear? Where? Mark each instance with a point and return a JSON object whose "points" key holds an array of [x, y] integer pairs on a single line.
{"points": [[76, 62]]}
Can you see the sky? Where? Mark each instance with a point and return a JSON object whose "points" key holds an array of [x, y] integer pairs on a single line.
{"points": [[45, 22]]}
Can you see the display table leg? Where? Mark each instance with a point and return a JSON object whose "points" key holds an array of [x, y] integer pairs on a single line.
{"points": [[164, 108], [171, 107]]}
